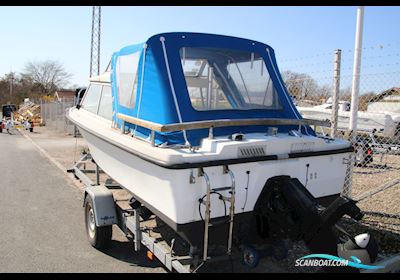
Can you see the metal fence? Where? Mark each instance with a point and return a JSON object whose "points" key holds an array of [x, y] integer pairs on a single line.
{"points": [[321, 87], [53, 115]]}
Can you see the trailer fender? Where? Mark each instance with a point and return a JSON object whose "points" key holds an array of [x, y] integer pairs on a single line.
{"points": [[103, 205]]}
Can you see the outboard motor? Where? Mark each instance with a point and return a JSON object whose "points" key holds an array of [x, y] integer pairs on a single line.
{"points": [[286, 209]]}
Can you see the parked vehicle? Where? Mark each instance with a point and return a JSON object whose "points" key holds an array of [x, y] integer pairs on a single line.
{"points": [[8, 109]]}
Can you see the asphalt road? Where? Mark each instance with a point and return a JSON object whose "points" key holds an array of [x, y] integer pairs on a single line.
{"points": [[41, 224]]}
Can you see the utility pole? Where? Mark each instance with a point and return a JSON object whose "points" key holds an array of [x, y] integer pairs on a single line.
{"points": [[11, 77], [356, 72], [95, 42]]}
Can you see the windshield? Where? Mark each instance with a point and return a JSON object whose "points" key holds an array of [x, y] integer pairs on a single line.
{"points": [[219, 79]]}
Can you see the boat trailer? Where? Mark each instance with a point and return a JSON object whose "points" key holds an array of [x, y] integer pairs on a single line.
{"points": [[133, 221], [102, 211], [127, 218]]}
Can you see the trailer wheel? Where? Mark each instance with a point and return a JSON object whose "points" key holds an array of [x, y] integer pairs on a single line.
{"points": [[250, 256], [99, 237]]}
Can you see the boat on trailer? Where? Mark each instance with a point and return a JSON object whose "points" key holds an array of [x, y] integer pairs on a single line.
{"points": [[201, 131], [383, 123]]}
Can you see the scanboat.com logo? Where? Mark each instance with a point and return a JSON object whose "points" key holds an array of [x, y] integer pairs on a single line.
{"points": [[329, 260]]}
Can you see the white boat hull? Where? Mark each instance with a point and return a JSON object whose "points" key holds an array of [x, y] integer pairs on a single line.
{"points": [[383, 122], [168, 192]]}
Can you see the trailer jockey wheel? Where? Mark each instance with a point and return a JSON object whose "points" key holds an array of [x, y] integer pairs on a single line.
{"points": [[99, 237], [251, 256]]}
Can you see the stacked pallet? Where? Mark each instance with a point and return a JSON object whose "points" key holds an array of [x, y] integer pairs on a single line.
{"points": [[29, 111]]}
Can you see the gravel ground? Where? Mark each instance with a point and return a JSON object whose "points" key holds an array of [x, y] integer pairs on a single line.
{"points": [[374, 175], [382, 209], [62, 147]]}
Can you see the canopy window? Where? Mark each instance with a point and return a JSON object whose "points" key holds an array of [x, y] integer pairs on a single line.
{"points": [[127, 75], [220, 79]]}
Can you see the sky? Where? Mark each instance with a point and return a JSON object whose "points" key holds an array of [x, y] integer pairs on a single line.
{"points": [[304, 38]]}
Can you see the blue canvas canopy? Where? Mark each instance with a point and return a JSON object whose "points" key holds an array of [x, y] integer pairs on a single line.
{"points": [[160, 88]]}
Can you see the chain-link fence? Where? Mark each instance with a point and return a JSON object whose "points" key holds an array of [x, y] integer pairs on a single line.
{"points": [[320, 83], [53, 115]]}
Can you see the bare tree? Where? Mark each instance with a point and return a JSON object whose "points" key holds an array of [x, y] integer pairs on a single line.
{"points": [[300, 85], [47, 76]]}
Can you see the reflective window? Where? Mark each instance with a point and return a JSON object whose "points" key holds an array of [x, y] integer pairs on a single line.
{"points": [[219, 79], [105, 107], [126, 70], [91, 100]]}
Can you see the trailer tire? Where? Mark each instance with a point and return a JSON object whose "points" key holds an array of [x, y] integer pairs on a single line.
{"points": [[251, 257], [99, 237]]}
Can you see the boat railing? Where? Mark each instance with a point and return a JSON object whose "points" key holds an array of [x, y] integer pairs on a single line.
{"points": [[210, 124]]}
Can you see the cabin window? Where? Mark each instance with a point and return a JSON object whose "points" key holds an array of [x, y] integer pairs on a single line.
{"points": [[219, 79], [105, 106], [91, 100], [126, 70]]}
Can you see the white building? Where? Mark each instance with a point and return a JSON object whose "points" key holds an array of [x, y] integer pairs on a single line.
{"points": [[388, 101]]}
